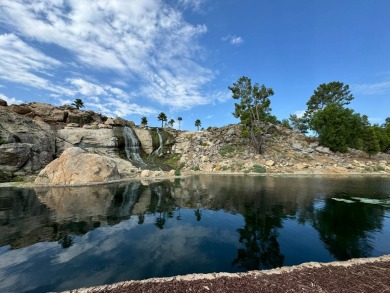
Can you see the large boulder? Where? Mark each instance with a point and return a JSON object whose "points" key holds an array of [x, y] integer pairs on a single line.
{"points": [[75, 166], [26, 145]]}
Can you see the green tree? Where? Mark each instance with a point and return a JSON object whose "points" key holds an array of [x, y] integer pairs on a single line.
{"points": [[299, 123], [339, 128], [144, 121], [330, 93], [162, 117], [253, 109], [387, 123], [286, 123], [179, 119], [171, 122], [198, 123], [370, 142], [78, 103]]}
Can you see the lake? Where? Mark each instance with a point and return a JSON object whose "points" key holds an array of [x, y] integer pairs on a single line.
{"points": [[54, 239]]}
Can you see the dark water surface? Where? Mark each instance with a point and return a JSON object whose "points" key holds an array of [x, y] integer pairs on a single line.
{"points": [[55, 239]]}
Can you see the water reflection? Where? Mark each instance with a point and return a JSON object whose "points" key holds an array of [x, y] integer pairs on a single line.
{"points": [[92, 235]]}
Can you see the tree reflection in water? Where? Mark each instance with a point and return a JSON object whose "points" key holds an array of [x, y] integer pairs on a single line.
{"points": [[345, 228], [259, 236]]}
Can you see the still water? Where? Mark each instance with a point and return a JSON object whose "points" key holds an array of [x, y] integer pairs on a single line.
{"points": [[53, 239]]}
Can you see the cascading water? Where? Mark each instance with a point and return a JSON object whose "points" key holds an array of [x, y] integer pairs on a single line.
{"points": [[132, 145], [160, 148]]}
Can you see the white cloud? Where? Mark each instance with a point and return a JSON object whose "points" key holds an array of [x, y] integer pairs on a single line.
{"points": [[123, 109], [371, 88], [192, 4], [10, 101], [144, 41], [22, 63], [299, 113], [234, 40]]}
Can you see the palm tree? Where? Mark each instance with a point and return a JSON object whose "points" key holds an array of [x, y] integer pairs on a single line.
{"points": [[179, 119], [144, 121], [198, 123], [78, 103], [162, 117], [171, 122]]}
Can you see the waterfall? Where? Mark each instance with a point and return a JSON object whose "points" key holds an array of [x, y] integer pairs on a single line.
{"points": [[159, 150], [132, 145]]}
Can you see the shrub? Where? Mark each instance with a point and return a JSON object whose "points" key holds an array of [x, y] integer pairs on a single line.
{"points": [[177, 172], [195, 168], [225, 150], [258, 169]]}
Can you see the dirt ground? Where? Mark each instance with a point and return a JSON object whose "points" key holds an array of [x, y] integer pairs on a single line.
{"points": [[358, 275]]}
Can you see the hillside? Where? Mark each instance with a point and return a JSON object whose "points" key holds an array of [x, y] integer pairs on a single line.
{"points": [[33, 135]]}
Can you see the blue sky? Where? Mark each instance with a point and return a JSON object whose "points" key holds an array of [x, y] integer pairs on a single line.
{"points": [[135, 58]]}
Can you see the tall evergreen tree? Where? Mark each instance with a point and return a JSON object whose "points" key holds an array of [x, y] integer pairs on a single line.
{"points": [[253, 109]]}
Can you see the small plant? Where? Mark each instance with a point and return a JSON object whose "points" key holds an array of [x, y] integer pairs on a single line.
{"points": [[195, 168], [181, 166], [3, 142], [177, 172], [203, 143], [379, 168], [258, 169], [174, 160], [226, 150], [18, 179], [224, 168]]}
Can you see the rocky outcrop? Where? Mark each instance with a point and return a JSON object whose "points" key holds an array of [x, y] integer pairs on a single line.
{"points": [[32, 135], [100, 141], [26, 145], [146, 139], [75, 166], [224, 150]]}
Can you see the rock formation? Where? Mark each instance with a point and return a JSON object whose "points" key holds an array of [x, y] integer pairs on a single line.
{"points": [[32, 135], [75, 166], [26, 145]]}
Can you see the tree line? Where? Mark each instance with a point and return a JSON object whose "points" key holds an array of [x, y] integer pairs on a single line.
{"points": [[163, 118], [327, 115]]}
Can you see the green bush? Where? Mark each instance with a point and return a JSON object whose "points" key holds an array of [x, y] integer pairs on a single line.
{"points": [[195, 168], [177, 172], [258, 169]]}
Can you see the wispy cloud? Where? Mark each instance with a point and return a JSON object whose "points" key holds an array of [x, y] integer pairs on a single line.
{"points": [[233, 40], [371, 88], [146, 43], [22, 63], [299, 113], [10, 101], [192, 4]]}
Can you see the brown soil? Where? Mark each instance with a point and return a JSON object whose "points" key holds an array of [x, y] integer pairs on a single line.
{"points": [[362, 275]]}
